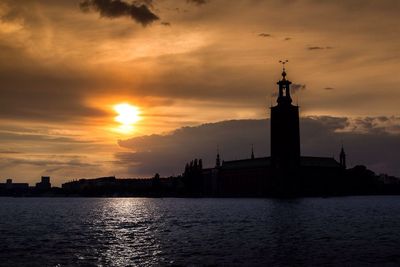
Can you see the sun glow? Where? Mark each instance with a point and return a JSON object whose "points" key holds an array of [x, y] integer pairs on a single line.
{"points": [[128, 115]]}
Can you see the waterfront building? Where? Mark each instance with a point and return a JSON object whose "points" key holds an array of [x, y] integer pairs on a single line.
{"points": [[285, 171]]}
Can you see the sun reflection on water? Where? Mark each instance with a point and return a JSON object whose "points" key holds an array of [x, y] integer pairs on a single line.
{"points": [[128, 225]]}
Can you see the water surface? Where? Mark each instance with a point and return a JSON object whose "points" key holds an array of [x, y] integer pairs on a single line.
{"points": [[147, 232]]}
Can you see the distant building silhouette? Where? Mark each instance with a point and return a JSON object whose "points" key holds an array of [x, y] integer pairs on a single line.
{"points": [[9, 185], [44, 184], [111, 186], [10, 189]]}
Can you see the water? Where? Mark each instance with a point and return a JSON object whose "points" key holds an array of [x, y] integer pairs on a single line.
{"points": [[232, 232]]}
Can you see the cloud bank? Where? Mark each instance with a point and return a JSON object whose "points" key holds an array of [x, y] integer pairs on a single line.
{"points": [[365, 142], [139, 12]]}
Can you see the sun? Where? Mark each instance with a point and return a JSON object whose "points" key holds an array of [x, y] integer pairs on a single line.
{"points": [[128, 115]]}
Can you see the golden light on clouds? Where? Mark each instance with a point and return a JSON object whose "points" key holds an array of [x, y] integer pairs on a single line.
{"points": [[128, 115], [75, 82]]}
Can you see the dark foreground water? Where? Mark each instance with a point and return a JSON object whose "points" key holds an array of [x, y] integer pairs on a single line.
{"points": [[146, 232]]}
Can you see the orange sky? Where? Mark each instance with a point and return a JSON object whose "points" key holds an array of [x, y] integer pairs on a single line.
{"points": [[64, 68]]}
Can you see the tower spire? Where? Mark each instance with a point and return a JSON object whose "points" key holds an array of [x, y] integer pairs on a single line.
{"points": [[218, 160], [252, 151], [284, 86], [283, 62], [285, 130], [342, 158]]}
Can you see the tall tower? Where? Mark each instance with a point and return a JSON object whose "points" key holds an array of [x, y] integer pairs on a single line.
{"points": [[343, 158], [285, 130]]}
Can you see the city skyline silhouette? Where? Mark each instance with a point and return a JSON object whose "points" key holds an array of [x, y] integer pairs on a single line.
{"points": [[199, 133], [286, 172], [97, 92]]}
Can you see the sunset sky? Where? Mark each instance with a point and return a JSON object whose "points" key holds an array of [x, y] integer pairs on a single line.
{"points": [[179, 70]]}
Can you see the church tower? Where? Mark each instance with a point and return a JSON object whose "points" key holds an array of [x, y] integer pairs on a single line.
{"points": [[285, 130]]}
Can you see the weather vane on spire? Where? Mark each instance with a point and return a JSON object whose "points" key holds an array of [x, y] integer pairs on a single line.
{"points": [[283, 62]]}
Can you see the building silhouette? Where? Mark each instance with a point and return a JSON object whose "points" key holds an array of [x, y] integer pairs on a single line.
{"points": [[285, 128], [42, 188], [44, 183], [10, 185], [286, 171]]}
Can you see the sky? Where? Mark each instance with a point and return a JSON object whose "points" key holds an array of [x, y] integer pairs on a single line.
{"points": [[198, 74]]}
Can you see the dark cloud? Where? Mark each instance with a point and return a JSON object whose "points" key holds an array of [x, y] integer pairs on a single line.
{"points": [[166, 23], [315, 48], [45, 163], [319, 47], [287, 39], [321, 136], [264, 34], [329, 88], [137, 11], [198, 2], [232, 137]]}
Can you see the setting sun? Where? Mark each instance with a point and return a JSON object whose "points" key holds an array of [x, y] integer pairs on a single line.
{"points": [[127, 116]]}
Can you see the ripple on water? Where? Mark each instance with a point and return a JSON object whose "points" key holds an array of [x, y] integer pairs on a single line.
{"points": [[146, 232]]}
